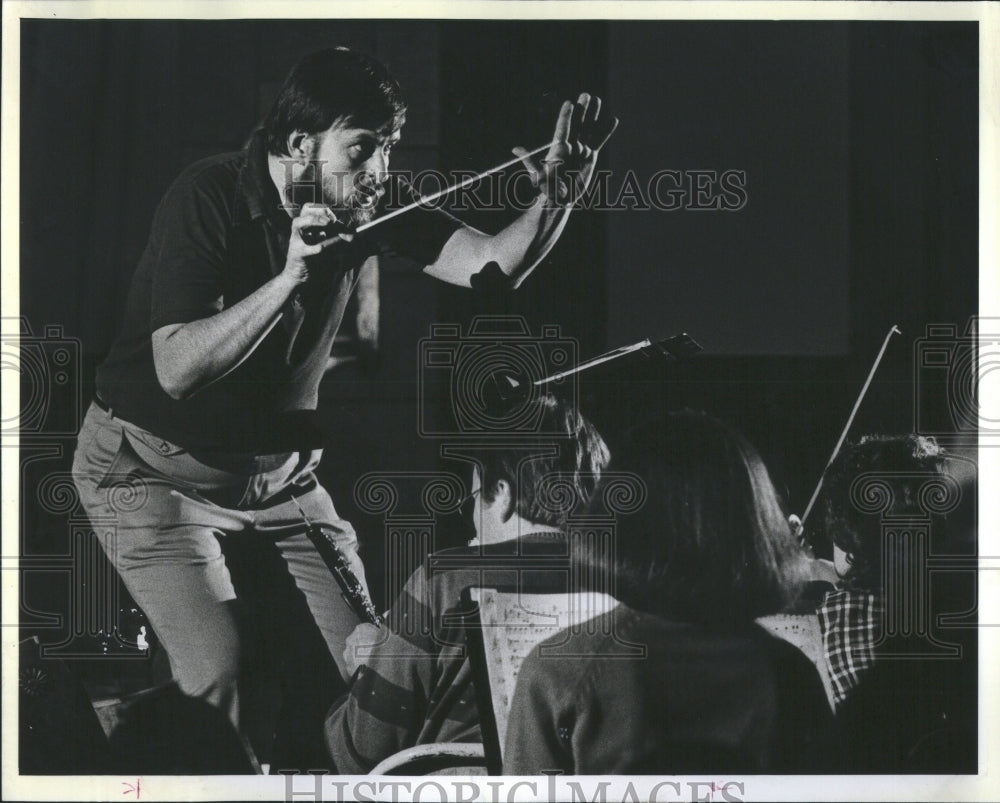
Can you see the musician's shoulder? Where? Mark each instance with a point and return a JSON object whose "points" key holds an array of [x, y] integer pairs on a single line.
{"points": [[207, 184], [219, 171]]}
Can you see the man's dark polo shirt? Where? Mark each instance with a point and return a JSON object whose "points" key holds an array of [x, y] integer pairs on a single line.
{"points": [[218, 235]]}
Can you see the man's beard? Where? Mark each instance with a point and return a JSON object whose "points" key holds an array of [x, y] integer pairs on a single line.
{"points": [[361, 204], [360, 208]]}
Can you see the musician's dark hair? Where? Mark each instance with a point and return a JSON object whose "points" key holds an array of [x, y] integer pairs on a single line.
{"points": [[710, 544], [555, 473], [331, 86], [901, 465]]}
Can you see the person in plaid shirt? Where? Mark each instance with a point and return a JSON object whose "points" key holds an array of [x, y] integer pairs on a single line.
{"points": [[852, 616], [917, 714]]}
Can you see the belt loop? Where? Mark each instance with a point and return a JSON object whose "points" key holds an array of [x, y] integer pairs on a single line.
{"points": [[101, 404]]}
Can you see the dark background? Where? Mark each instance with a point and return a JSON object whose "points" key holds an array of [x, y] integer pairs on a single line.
{"points": [[860, 146]]}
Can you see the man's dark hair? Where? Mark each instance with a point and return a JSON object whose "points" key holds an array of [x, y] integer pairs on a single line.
{"points": [[334, 85], [903, 464], [711, 544], [553, 479]]}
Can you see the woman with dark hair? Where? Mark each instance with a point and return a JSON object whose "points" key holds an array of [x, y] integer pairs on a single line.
{"points": [[707, 552], [712, 543]]}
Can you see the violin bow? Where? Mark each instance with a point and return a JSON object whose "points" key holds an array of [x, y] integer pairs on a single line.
{"points": [[677, 347], [314, 234], [461, 185], [847, 426]]}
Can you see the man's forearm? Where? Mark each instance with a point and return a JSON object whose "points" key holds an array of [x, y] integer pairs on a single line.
{"points": [[190, 356], [561, 177], [517, 249], [540, 226]]}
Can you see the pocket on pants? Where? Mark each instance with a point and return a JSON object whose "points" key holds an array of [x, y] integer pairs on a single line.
{"points": [[178, 467], [97, 468], [97, 453], [123, 467], [154, 443]]}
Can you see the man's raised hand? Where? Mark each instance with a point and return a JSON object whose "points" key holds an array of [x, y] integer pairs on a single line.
{"points": [[568, 166]]}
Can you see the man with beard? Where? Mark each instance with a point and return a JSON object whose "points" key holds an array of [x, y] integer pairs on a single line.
{"points": [[204, 402]]}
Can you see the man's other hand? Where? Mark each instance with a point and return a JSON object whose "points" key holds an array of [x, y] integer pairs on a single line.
{"points": [[299, 251]]}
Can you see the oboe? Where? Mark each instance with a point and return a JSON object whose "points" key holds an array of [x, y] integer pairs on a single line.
{"points": [[353, 590]]}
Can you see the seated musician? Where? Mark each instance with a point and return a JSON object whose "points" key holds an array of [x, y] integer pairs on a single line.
{"points": [[903, 704], [416, 686], [708, 552]]}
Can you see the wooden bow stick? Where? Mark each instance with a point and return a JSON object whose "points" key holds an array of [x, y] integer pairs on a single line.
{"points": [[850, 420], [314, 234], [468, 182]]}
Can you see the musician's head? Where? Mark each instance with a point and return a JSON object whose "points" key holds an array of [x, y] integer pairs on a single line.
{"points": [[711, 543], [879, 476], [336, 118], [537, 483]]}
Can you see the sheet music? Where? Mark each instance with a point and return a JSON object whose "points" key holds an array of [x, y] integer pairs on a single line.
{"points": [[514, 623], [802, 631]]}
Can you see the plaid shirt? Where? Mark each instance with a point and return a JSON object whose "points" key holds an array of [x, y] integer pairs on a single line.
{"points": [[850, 622]]}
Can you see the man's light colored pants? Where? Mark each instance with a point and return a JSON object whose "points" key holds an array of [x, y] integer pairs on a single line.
{"points": [[158, 514]]}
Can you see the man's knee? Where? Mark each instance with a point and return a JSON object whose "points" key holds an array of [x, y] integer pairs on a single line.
{"points": [[209, 666], [209, 680]]}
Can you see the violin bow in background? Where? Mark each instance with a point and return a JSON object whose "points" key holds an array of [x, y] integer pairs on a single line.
{"points": [[847, 426], [506, 388], [678, 347]]}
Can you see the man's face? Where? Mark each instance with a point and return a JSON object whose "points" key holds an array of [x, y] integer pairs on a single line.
{"points": [[841, 561], [472, 510], [490, 518], [353, 165]]}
